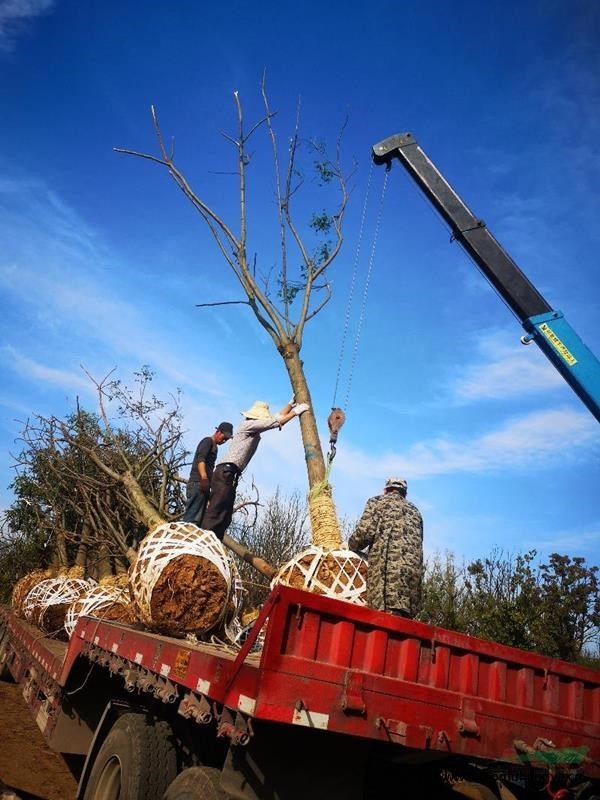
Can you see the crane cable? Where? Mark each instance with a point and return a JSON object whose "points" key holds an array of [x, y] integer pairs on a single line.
{"points": [[338, 415], [352, 285]]}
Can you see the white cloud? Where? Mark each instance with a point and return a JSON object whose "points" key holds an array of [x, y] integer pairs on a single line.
{"points": [[530, 441], [34, 371], [83, 288], [576, 541], [14, 14], [506, 369]]}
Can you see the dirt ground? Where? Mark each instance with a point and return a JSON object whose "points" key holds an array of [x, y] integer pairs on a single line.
{"points": [[27, 765]]}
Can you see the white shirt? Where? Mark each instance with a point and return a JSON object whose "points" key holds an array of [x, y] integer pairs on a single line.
{"points": [[246, 439]]}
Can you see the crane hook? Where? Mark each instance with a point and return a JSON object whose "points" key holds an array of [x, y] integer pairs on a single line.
{"points": [[334, 421]]}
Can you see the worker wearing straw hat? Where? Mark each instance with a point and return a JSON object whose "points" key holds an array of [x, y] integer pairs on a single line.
{"points": [[244, 443]]}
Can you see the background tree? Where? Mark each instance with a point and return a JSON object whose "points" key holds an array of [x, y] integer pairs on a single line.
{"points": [[503, 598], [88, 486], [550, 608], [299, 289], [569, 620], [443, 593], [278, 531]]}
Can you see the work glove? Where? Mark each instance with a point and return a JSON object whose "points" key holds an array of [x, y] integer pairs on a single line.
{"points": [[300, 408], [204, 484]]}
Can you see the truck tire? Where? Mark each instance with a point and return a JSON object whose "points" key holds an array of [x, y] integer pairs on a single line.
{"points": [[136, 761], [196, 783]]}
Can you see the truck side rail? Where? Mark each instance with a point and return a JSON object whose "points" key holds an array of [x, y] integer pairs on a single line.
{"points": [[354, 670], [331, 665]]}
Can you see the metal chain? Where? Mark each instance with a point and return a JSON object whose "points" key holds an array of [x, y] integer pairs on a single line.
{"points": [[366, 289], [352, 285]]}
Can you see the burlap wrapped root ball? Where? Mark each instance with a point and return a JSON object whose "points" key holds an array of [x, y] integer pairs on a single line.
{"points": [[47, 603], [106, 601], [24, 585], [181, 582], [334, 573]]}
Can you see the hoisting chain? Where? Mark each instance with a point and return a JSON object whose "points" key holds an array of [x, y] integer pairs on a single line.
{"points": [[338, 415]]}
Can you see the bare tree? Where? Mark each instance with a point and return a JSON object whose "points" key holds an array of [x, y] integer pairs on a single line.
{"points": [[278, 531], [285, 305]]}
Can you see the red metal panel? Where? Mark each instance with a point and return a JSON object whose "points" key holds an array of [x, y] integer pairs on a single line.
{"points": [[497, 681], [440, 667], [524, 687], [464, 674], [421, 683], [48, 653], [591, 703], [361, 672]]}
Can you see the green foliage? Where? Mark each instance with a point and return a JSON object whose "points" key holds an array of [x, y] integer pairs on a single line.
{"points": [[503, 599], [570, 614], [69, 503], [553, 608], [21, 553], [324, 167], [443, 595], [321, 223]]}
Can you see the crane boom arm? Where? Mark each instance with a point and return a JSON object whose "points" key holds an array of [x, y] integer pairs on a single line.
{"points": [[547, 327]]}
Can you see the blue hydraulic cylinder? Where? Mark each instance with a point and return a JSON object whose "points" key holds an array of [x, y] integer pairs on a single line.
{"points": [[569, 354]]}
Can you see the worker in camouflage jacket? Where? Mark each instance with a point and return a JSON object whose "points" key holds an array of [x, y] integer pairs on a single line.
{"points": [[392, 528]]}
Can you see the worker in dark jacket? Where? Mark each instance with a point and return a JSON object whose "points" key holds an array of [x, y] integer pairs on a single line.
{"points": [[392, 528], [198, 486]]}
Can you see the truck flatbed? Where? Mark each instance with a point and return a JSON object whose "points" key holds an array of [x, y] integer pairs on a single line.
{"points": [[331, 666]]}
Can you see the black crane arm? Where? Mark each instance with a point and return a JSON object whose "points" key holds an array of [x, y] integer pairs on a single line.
{"points": [[495, 263], [547, 327]]}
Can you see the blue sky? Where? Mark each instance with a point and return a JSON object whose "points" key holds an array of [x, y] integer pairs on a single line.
{"points": [[102, 262]]}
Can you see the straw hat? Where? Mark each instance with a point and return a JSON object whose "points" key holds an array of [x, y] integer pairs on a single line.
{"points": [[260, 410]]}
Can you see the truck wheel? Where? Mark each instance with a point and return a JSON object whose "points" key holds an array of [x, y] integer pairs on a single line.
{"points": [[136, 761], [196, 783]]}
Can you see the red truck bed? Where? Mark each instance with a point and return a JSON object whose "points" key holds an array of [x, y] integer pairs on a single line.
{"points": [[334, 666]]}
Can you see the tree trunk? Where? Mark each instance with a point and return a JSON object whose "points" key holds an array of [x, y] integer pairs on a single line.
{"points": [[86, 539], [121, 563], [61, 548], [323, 516], [104, 565], [148, 513], [249, 557], [81, 556]]}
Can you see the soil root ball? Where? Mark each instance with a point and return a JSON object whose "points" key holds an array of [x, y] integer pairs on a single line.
{"points": [[24, 585], [182, 579], [104, 602], [335, 573], [47, 603]]}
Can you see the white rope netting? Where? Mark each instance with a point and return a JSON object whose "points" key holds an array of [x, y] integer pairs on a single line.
{"points": [[160, 548], [104, 601], [233, 626], [53, 592], [24, 585], [335, 573]]}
